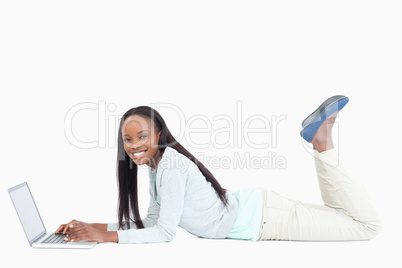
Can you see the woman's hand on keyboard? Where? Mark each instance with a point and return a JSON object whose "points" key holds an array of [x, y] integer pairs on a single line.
{"points": [[79, 231]]}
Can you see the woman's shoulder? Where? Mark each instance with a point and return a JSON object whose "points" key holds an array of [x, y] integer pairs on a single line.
{"points": [[174, 160], [171, 153]]}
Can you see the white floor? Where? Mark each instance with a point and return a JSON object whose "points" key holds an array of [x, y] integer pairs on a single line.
{"points": [[186, 251]]}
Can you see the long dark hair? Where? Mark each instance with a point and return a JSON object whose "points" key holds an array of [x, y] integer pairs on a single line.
{"points": [[127, 170]]}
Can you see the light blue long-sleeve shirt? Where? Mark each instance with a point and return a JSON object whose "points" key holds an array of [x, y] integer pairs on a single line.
{"points": [[184, 198]]}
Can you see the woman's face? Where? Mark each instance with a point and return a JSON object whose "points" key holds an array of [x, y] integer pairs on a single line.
{"points": [[141, 138]]}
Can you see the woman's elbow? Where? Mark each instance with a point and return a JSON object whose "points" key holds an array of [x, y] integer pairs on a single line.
{"points": [[374, 228], [168, 236]]}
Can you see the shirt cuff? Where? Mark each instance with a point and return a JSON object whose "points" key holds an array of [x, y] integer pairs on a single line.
{"points": [[124, 237], [112, 227]]}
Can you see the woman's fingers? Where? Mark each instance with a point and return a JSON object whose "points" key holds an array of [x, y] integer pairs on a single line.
{"points": [[75, 231], [71, 225], [78, 235], [60, 228], [66, 227]]}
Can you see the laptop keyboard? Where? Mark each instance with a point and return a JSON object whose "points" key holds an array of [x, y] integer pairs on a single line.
{"points": [[55, 239]]}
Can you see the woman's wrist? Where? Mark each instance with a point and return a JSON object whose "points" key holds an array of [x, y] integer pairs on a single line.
{"points": [[111, 237], [99, 226]]}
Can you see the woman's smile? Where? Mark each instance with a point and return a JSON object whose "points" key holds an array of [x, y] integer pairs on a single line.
{"points": [[138, 154]]}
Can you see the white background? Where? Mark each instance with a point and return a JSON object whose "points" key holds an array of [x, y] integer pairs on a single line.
{"points": [[276, 57]]}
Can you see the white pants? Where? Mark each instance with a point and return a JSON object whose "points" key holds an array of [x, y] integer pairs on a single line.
{"points": [[346, 215]]}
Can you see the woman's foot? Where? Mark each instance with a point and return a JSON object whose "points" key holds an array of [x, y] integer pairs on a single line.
{"points": [[322, 140]]}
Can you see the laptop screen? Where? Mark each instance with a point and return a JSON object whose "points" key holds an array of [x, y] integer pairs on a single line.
{"points": [[27, 212]]}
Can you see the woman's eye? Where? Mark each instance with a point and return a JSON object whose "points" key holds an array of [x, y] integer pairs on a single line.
{"points": [[126, 140], [143, 136]]}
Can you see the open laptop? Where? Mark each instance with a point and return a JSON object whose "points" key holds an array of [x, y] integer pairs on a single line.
{"points": [[32, 222]]}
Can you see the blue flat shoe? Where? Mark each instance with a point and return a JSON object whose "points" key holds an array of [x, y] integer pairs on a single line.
{"points": [[313, 122]]}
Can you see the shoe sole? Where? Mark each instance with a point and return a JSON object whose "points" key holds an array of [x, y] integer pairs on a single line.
{"points": [[321, 109], [313, 122]]}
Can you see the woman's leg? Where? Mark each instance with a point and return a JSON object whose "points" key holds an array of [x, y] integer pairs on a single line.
{"points": [[346, 215], [342, 193], [322, 141]]}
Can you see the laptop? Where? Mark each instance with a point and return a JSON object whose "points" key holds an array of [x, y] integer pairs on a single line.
{"points": [[32, 223]]}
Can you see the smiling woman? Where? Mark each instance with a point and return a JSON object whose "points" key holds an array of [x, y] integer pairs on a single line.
{"points": [[143, 139], [184, 193]]}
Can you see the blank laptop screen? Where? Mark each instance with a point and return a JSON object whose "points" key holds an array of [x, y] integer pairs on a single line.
{"points": [[27, 211]]}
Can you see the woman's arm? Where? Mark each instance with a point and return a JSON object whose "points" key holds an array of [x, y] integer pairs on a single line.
{"points": [[99, 226]]}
